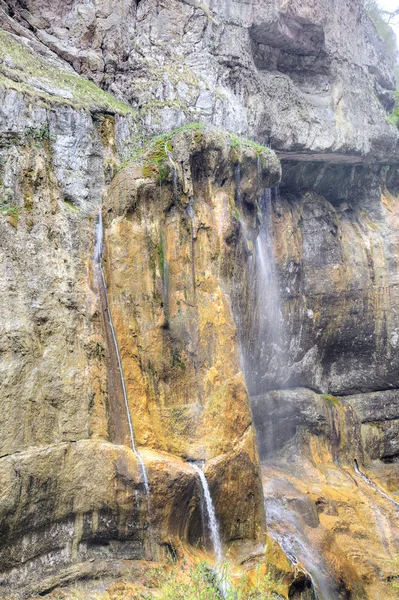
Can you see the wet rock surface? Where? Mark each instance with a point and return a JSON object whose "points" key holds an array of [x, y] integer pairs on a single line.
{"points": [[187, 218], [188, 399], [337, 285], [336, 521]]}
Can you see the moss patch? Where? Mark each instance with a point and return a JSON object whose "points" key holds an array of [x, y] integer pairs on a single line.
{"points": [[11, 212], [24, 70], [332, 400], [154, 155]]}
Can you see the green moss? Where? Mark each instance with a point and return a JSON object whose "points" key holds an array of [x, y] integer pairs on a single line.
{"points": [[72, 207], [154, 152], [240, 142], [393, 117], [28, 202], [41, 134], [177, 360], [33, 75], [8, 140], [332, 400], [156, 158], [11, 212], [149, 170]]}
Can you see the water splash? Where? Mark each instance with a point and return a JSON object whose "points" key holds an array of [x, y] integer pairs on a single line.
{"points": [[285, 527], [98, 253], [213, 524]]}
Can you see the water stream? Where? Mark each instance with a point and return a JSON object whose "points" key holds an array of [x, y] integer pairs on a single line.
{"points": [[264, 354], [271, 323], [371, 483], [265, 365], [98, 253], [212, 521], [285, 526]]}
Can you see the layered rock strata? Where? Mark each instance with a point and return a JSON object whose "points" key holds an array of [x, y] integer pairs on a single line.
{"points": [[71, 488], [310, 76], [330, 458], [185, 222]]}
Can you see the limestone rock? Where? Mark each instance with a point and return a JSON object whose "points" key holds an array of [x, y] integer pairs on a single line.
{"points": [[171, 223], [308, 76], [337, 283]]}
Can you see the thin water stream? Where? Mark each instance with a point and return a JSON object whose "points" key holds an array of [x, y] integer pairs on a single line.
{"points": [[285, 526], [222, 583], [210, 510], [98, 253], [371, 483]]}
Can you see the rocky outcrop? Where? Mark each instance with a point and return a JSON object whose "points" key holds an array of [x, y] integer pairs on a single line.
{"points": [[308, 76], [318, 501], [206, 262], [336, 257], [171, 223], [70, 504], [170, 236]]}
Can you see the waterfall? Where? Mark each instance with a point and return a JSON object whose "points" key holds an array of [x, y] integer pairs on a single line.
{"points": [[268, 290], [265, 361], [371, 483], [213, 524], [175, 188], [174, 173], [98, 253]]}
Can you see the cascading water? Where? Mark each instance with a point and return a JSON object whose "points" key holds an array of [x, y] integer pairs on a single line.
{"points": [[286, 528], [98, 253], [213, 524], [260, 322], [371, 483], [264, 357], [271, 326]]}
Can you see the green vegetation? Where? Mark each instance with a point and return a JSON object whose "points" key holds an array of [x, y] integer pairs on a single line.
{"points": [[332, 400], [155, 159], [26, 71], [11, 211], [69, 204], [240, 142], [41, 134], [203, 583], [155, 154], [9, 139], [177, 360], [394, 116], [382, 20], [180, 582]]}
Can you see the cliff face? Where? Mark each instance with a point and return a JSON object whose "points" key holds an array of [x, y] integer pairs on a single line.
{"points": [[302, 76], [220, 285]]}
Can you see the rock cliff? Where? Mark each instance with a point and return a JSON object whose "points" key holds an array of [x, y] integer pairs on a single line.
{"points": [[304, 76], [250, 289]]}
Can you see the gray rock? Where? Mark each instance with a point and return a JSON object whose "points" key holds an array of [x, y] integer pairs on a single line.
{"points": [[302, 76]]}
